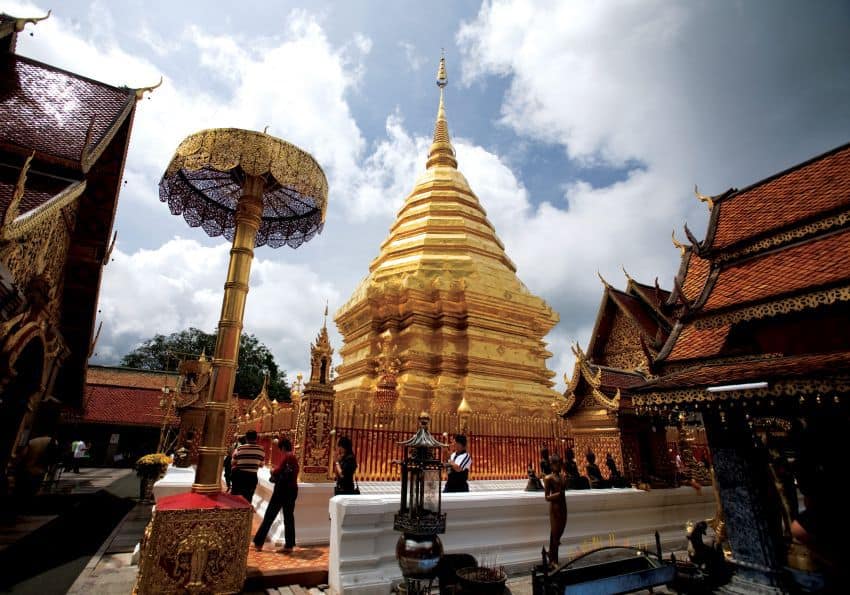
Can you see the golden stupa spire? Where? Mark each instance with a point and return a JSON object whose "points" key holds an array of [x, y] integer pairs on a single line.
{"points": [[442, 152]]}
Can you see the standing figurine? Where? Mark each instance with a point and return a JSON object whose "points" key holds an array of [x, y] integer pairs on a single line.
{"points": [[555, 484]]}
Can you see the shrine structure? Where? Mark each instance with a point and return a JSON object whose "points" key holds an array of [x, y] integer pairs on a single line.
{"points": [[460, 321], [443, 320], [759, 348], [63, 141], [630, 329]]}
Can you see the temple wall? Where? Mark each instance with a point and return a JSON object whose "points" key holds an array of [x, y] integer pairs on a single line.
{"points": [[362, 542]]}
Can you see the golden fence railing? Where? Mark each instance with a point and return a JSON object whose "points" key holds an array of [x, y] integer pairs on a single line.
{"points": [[502, 447]]}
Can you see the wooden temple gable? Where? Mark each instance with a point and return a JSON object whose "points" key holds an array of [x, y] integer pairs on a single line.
{"points": [[630, 328], [59, 184]]}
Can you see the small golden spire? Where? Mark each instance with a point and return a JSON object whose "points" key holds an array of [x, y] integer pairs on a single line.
{"points": [[464, 408], [325, 324], [442, 152]]}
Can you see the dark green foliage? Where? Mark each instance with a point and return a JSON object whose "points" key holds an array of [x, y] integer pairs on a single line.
{"points": [[165, 352]]}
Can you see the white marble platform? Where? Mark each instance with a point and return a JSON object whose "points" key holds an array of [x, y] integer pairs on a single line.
{"points": [[505, 527]]}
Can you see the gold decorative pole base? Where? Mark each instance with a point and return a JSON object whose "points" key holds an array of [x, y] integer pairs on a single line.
{"points": [[195, 543]]}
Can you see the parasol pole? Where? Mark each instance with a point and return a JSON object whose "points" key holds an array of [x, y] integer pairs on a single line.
{"points": [[213, 449]]}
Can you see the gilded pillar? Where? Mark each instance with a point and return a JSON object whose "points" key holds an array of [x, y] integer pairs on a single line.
{"points": [[213, 449]]}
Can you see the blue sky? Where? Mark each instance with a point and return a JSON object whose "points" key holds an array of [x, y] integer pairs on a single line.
{"points": [[582, 127]]}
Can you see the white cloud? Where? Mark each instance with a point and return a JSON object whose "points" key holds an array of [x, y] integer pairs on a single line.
{"points": [[414, 59], [179, 285], [669, 94], [676, 94]]}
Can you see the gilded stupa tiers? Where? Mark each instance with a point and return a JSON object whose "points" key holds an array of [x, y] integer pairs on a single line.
{"points": [[447, 296]]}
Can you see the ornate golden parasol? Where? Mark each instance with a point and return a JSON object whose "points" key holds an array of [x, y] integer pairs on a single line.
{"points": [[255, 190]]}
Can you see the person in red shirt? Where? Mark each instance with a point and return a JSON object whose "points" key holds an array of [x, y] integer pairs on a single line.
{"points": [[285, 478]]}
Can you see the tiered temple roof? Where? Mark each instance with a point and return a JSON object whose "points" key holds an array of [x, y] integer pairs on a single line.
{"points": [[764, 298], [63, 141]]}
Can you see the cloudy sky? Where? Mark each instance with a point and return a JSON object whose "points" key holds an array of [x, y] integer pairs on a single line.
{"points": [[582, 127]]}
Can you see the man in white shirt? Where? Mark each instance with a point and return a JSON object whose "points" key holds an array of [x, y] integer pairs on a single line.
{"points": [[459, 463], [79, 448]]}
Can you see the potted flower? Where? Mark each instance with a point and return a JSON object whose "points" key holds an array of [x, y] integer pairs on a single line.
{"points": [[150, 468]]}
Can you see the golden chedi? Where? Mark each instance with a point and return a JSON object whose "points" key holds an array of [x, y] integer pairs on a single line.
{"points": [[444, 293]]}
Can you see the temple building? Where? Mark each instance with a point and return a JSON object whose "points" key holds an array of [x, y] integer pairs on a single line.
{"points": [[63, 141], [630, 329], [760, 348], [123, 415], [442, 316]]}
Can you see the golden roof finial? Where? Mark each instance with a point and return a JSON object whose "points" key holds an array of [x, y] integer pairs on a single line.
{"points": [[601, 278], [325, 324], [23, 22], [203, 357], [464, 408], [702, 197], [17, 194], [682, 248], [442, 152], [140, 92]]}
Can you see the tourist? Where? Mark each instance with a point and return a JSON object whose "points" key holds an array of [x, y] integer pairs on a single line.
{"points": [[285, 480], [459, 463], [344, 468], [78, 447], [228, 465], [555, 484], [246, 460]]}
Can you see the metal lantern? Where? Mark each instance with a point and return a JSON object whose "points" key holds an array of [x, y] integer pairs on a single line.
{"points": [[420, 518]]}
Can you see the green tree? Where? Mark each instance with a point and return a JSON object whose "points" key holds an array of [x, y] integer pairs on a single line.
{"points": [[163, 352]]}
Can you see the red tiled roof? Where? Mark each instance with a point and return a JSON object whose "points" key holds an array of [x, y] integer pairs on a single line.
{"points": [[695, 343], [130, 378], [695, 277], [818, 186], [805, 266], [656, 297], [38, 189], [122, 406], [614, 379], [50, 110], [822, 364]]}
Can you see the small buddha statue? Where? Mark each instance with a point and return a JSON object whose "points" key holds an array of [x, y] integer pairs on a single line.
{"points": [[534, 484], [593, 472], [614, 475], [575, 480]]}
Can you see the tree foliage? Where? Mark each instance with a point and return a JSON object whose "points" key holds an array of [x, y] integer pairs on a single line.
{"points": [[163, 352]]}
